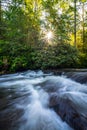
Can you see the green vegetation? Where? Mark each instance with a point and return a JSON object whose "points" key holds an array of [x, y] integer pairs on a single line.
{"points": [[58, 56], [42, 34]]}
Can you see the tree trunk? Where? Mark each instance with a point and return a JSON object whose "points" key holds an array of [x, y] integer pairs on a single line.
{"points": [[75, 23], [83, 37], [0, 11], [35, 5], [0, 19]]}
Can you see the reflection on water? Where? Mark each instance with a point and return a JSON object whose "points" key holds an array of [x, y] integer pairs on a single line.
{"points": [[32, 101]]}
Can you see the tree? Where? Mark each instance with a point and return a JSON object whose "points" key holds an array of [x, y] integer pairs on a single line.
{"points": [[83, 22], [83, 37], [23, 21], [75, 22], [0, 11], [0, 19], [57, 19]]}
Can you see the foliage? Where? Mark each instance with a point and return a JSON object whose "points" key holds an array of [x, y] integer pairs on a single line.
{"points": [[18, 64], [23, 26], [57, 56], [83, 60]]}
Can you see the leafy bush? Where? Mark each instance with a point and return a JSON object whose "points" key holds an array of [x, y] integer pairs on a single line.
{"points": [[18, 64], [1, 65], [57, 56], [46, 57], [83, 60]]}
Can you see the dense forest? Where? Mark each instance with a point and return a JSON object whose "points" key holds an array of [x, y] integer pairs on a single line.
{"points": [[42, 34]]}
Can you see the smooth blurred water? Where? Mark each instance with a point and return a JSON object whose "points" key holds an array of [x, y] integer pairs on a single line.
{"points": [[25, 100]]}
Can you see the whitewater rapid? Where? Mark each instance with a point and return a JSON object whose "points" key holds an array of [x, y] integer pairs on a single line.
{"points": [[25, 101]]}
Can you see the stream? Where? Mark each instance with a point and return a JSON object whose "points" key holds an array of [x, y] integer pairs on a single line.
{"points": [[34, 100]]}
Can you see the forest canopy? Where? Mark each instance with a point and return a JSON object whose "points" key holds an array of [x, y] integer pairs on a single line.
{"points": [[42, 34]]}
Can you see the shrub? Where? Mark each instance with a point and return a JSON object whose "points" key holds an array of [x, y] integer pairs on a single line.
{"points": [[18, 64], [57, 56], [83, 60], [1, 65]]}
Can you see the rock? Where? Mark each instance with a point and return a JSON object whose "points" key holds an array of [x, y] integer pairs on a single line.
{"points": [[64, 108]]}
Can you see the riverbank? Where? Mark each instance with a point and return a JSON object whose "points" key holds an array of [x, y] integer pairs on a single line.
{"points": [[60, 71], [55, 71]]}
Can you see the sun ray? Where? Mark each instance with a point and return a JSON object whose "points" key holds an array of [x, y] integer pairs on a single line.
{"points": [[49, 35]]}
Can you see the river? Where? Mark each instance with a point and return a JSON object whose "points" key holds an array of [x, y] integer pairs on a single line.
{"points": [[34, 100]]}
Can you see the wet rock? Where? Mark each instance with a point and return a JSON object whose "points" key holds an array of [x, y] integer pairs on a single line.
{"points": [[8, 119], [64, 108], [80, 77]]}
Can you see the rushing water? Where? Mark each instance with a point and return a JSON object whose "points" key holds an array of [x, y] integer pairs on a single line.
{"points": [[37, 101]]}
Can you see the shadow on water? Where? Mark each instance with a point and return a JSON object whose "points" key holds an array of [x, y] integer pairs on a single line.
{"points": [[38, 101]]}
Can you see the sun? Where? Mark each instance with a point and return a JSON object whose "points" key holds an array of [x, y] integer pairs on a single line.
{"points": [[49, 35]]}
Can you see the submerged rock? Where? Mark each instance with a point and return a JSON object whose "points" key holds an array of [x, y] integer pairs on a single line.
{"points": [[80, 77], [64, 108]]}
